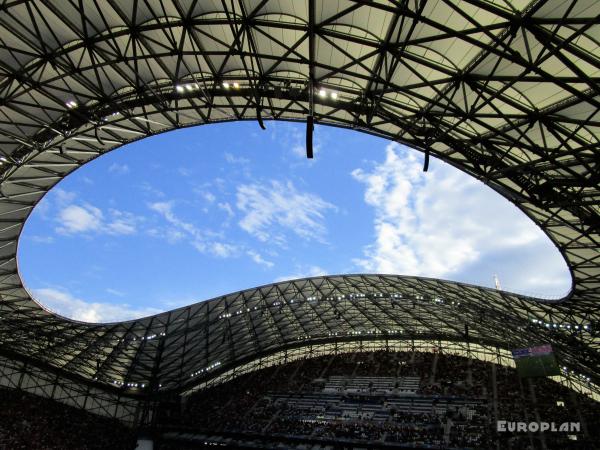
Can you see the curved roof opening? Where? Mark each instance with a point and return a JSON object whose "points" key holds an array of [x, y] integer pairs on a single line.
{"points": [[191, 214]]}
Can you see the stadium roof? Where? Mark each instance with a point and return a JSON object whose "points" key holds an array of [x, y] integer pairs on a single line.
{"points": [[507, 91]]}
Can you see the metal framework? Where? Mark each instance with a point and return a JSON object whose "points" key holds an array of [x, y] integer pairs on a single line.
{"points": [[506, 90]]}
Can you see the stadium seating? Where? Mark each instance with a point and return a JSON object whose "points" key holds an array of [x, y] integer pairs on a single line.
{"points": [[389, 399], [383, 399], [29, 422]]}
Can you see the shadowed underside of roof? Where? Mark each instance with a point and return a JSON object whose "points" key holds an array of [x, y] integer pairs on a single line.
{"points": [[507, 91]]}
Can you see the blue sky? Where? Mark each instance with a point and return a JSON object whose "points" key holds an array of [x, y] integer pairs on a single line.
{"points": [[191, 214]]}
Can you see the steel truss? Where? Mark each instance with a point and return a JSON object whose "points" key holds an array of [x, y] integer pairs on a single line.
{"points": [[507, 91]]}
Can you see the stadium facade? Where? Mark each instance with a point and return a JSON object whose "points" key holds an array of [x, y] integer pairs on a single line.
{"points": [[507, 91]]}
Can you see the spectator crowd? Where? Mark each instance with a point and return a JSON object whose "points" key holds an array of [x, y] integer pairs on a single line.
{"points": [[388, 398], [455, 404], [30, 422]]}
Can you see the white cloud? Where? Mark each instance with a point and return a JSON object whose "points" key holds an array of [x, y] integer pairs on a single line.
{"points": [[258, 259], [88, 219], [78, 309], [208, 196], [205, 241], [161, 207], [151, 190], [174, 235], [271, 209], [294, 139], [122, 222], [119, 169], [231, 159], [222, 249], [225, 206], [171, 235], [42, 239], [115, 292], [79, 219], [166, 210], [442, 223], [303, 272], [63, 197]]}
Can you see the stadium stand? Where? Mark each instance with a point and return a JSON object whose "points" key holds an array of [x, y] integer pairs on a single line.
{"points": [[377, 399], [386, 399], [29, 422]]}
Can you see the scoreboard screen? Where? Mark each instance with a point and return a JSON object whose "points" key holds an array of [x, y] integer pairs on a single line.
{"points": [[536, 361]]}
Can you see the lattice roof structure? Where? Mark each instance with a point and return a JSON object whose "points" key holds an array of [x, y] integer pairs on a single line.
{"points": [[507, 91]]}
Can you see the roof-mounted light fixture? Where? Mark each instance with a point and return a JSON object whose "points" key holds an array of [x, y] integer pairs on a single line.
{"points": [[71, 104]]}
